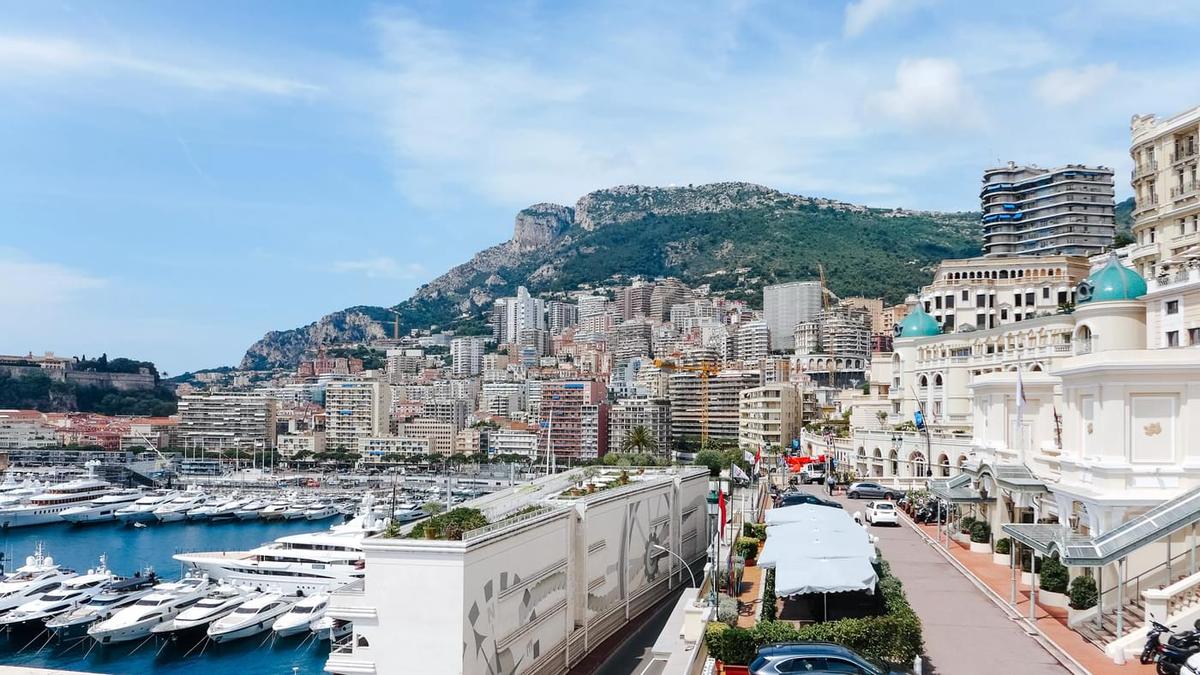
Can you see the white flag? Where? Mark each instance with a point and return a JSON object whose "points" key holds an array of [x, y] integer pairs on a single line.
{"points": [[739, 474], [748, 456]]}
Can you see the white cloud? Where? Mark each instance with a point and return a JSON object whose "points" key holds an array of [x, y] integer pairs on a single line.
{"points": [[31, 288], [860, 15], [380, 267], [928, 93], [1068, 85], [37, 58]]}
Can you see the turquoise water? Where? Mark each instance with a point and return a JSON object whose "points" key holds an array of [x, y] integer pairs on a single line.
{"points": [[130, 549]]}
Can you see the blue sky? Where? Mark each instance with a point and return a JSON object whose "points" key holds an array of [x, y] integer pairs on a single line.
{"points": [[178, 178]]}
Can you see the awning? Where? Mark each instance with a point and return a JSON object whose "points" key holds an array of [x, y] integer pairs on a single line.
{"points": [[825, 576], [957, 489], [817, 549], [1012, 476], [809, 513]]}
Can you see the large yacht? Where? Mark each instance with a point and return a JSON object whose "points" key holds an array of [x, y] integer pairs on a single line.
{"points": [[253, 617], [142, 510], [115, 597], [136, 620], [296, 564], [195, 619], [48, 506], [37, 577], [100, 510], [68, 596], [177, 509]]}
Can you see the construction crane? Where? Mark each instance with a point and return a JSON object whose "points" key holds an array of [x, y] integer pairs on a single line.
{"points": [[705, 371], [396, 325]]}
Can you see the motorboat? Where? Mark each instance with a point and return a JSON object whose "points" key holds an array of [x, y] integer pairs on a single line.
{"points": [[48, 506], [252, 510], [296, 510], [165, 603], [275, 510], [71, 594], [177, 509], [253, 617], [195, 619], [227, 510], [37, 577], [320, 511], [299, 563], [114, 597], [329, 628], [142, 510], [103, 509], [304, 612]]}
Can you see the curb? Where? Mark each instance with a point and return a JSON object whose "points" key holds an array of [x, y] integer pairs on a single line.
{"points": [[1061, 655]]}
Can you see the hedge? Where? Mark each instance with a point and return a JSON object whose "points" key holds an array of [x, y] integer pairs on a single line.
{"points": [[1003, 546], [981, 532], [1083, 593], [755, 531], [894, 636], [1054, 575], [769, 608]]}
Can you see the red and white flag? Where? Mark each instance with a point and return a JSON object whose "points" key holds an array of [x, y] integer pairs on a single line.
{"points": [[721, 506]]}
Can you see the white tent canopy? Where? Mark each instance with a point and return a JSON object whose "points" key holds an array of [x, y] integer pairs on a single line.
{"points": [[817, 549]]}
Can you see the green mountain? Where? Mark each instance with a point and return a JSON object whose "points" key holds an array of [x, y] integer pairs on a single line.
{"points": [[735, 237]]}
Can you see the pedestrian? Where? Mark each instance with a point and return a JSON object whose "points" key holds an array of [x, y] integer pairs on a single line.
{"points": [[831, 483]]}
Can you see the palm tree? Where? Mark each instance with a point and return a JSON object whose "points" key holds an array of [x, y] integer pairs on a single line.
{"points": [[639, 440], [882, 416]]}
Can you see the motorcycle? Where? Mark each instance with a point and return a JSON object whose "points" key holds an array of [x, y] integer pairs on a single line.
{"points": [[1179, 655]]}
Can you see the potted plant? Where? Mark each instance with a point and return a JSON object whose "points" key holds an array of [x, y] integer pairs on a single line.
{"points": [[747, 547], [1026, 566], [1053, 577], [1001, 551], [1083, 596], [963, 535], [981, 537]]}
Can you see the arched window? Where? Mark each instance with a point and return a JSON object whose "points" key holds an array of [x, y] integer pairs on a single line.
{"points": [[937, 380], [923, 382]]}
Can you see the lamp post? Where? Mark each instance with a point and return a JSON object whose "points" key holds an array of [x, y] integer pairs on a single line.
{"points": [[683, 562], [714, 511]]}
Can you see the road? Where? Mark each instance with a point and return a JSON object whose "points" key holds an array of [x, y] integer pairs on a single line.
{"points": [[965, 632]]}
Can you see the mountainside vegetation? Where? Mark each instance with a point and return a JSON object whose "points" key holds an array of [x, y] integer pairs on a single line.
{"points": [[39, 392], [734, 237]]}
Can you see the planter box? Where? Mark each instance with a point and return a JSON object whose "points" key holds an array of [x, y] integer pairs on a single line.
{"points": [[981, 548], [1002, 559], [961, 538], [1078, 616], [1050, 599], [750, 562], [1027, 578]]}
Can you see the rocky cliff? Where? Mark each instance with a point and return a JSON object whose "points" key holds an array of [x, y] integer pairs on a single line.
{"points": [[733, 236]]}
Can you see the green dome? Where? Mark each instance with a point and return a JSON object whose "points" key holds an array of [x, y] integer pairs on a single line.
{"points": [[1113, 282], [918, 323]]}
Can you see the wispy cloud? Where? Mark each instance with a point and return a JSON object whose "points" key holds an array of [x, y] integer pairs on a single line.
{"points": [[862, 14], [1069, 85], [929, 93], [40, 57], [36, 286], [380, 267]]}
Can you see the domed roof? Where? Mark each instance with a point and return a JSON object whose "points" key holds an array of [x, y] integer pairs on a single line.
{"points": [[918, 323], [1112, 282]]}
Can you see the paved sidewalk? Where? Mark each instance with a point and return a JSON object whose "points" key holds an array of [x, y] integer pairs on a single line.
{"points": [[965, 633]]}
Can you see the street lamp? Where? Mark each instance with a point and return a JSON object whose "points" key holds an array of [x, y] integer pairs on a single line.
{"points": [[714, 510], [687, 567]]}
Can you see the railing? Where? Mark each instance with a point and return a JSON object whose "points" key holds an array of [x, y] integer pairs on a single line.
{"points": [[1184, 154], [1183, 276], [1161, 600], [343, 646], [1186, 190], [357, 587], [1144, 169], [1085, 345]]}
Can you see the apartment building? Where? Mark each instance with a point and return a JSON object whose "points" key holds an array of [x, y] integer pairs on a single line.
{"points": [[634, 300], [1028, 210], [439, 434], [466, 356], [217, 422], [752, 341], [652, 413], [633, 340], [561, 415], [892, 316], [504, 399], [874, 309], [513, 442], [21, 429], [561, 316], [593, 430], [452, 411], [983, 293], [374, 449], [666, 294], [785, 305], [717, 402], [355, 409], [1166, 190], [770, 416], [310, 443]]}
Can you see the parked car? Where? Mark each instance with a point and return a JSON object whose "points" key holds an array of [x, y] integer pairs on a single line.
{"points": [[813, 473], [879, 513], [814, 657], [872, 491], [794, 498]]}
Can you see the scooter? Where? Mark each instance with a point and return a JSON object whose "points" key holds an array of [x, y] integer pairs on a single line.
{"points": [[1171, 659]]}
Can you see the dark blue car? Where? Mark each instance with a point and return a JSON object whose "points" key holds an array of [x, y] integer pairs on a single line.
{"points": [[815, 657]]}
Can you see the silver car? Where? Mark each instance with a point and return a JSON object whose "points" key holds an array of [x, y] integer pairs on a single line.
{"points": [[868, 490]]}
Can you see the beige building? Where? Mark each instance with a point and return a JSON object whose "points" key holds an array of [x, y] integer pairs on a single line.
{"points": [[440, 434], [891, 316], [226, 422], [311, 442], [355, 409], [375, 449], [693, 401], [652, 413], [769, 416], [1166, 188], [874, 309]]}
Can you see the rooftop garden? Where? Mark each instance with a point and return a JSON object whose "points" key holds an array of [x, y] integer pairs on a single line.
{"points": [[595, 480], [448, 526]]}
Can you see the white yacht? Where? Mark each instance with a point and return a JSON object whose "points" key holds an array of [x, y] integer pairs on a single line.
{"points": [[195, 619], [252, 618], [177, 509], [228, 510], [48, 506], [65, 598], [100, 510], [275, 510], [298, 563], [303, 613], [329, 628], [251, 510], [135, 621], [116, 596], [321, 511], [142, 510], [36, 578], [296, 510]]}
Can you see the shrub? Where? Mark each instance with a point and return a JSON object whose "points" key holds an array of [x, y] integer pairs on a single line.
{"points": [[964, 524], [755, 530], [739, 569], [729, 643], [1054, 575], [1026, 559], [727, 610], [449, 525], [769, 600], [747, 547], [981, 532], [1083, 593], [1003, 546]]}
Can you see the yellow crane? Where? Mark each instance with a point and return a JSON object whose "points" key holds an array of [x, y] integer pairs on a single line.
{"points": [[705, 371]]}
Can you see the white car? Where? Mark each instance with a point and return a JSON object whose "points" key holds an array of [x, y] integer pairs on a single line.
{"points": [[878, 513]]}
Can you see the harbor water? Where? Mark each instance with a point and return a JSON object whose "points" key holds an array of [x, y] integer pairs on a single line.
{"points": [[130, 549]]}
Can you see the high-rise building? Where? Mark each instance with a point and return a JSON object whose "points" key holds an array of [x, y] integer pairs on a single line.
{"points": [[1028, 210], [634, 300], [562, 412], [593, 430], [452, 411], [227, 422], [523, 312], [693, 401], [466, 356], [651, 413], [592, 305], [769, 416], [633, 340], [1166, 191], [785, 305], [752, 341], [440, 434], [561, 315], [666, 294], [874, 309], [355, 409]]}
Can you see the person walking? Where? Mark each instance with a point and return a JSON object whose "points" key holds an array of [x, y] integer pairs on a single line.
{"points": [[831, 483]]}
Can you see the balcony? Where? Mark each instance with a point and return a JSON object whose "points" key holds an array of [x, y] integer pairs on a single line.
{"points": [[1143, 170], [1085, 345], [1188, 189], [1142, 251], [1187, 275], [1185, 154], [1144, 205]]}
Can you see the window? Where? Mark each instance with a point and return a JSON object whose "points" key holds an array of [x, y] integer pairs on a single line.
{"points": [[802, 665], [1172, 338], [1062, 297], [1003, 314], [1172, 306], [981, 300], [840, 666], [1029, 302], [926, 306], [949, 302], [1046, 293], [966, 295], [980, 321], [948, 324], [1017, 299], [1194, 336], [937, 302]]}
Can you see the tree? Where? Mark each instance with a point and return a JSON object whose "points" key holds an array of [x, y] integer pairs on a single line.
{"points": [[639, 440], [882, 416], [713, 459], [433, 508]]}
